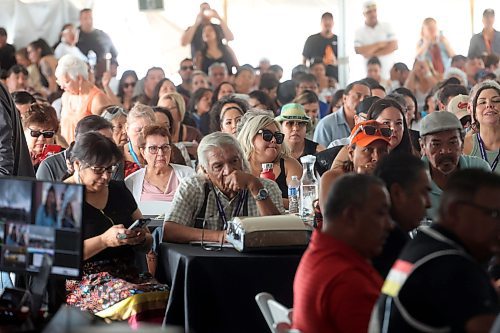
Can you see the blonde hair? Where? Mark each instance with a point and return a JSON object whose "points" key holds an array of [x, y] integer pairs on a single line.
{"points": [[255, 122], [177, 99], [141, 111]]}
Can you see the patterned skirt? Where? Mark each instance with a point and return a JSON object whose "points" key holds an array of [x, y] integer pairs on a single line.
{"points": [[116, 291]]}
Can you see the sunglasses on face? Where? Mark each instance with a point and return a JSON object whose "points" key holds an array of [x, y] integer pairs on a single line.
{"points": [[155, 149], [185, 68], [373, 130], [46, 134], [267, 135], [100, 170], [129, 84]]}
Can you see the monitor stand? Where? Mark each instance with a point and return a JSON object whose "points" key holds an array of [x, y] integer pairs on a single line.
{"points": [[39, 285]]}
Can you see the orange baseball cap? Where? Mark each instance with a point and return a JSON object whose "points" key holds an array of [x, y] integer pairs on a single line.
{"points": [[360, 137]]}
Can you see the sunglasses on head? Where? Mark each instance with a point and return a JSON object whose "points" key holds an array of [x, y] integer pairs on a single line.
{"points": [[185, 68], [46, 134], [128, 84], [373, 130], [267, 135]]}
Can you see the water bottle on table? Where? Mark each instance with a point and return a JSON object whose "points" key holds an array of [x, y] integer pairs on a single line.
{"points": [[293, 195], [308, 189]]}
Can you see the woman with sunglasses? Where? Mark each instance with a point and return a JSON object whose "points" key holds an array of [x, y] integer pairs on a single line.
{"points": [[294, 123], [370, 141], [262, 142], [40, 127], [126, 89], [110, 278], [158, 181]]}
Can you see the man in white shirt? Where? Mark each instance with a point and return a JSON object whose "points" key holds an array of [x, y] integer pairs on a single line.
{"points": [[376, 39]]}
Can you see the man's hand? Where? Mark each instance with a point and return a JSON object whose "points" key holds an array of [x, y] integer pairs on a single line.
{"points": [[239, 180]]}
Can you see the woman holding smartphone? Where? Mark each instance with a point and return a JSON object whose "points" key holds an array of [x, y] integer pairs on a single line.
{"points": [[111, 283]]}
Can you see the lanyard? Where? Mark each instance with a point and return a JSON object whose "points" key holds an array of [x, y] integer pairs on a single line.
{"points": [[242, 198], [483, 153], [133, 154]]}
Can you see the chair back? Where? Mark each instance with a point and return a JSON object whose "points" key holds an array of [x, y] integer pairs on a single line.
{"points": [[262, 301]]}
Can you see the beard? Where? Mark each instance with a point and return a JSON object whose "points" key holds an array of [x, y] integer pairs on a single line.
{"points": [[446, 164]]}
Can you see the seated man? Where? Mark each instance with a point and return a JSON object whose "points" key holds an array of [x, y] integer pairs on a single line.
{"points": [[442, 144], [438, 284], [335, 286], [223, 189]]}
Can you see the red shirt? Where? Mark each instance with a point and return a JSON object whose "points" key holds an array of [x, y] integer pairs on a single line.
{"points": [[335, 288]]}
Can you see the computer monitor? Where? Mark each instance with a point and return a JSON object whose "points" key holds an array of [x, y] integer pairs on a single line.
{"points": [[37, 218]]}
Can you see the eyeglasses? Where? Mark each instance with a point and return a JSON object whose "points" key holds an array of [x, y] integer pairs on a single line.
{"points": [[129, 84], [490, 212], [267, 135], [185, 68], [154, 149], [46, 134], [100, 170], [373, 130]]}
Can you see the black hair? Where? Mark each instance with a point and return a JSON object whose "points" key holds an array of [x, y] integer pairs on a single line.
{"points": [[379, 87], [217, 91], [52, 210], [125, 75], [94, 149], [399, 168], [327, 15], [40, 43], [374, 61], [349, 190], [365, 104], [352, 84], [426, 106], [91, 123], [491, 60], [23, 97], [407, 92], [401, 67], [306, 77], [451, 90], [16, 69], [286, 92], [263, 98], [337, 96], [371, 82], [275, 68], [215, 116], [458, 58], [195, 98], [156, 91], [3, 32], [268, 81], [378, 107], [166, 112]]}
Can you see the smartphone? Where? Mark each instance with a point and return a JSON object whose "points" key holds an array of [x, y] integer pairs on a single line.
{"points": [[49, 150], [140, 223]]}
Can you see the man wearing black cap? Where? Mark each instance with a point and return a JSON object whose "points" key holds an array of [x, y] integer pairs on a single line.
{"points": [[487, 41]]}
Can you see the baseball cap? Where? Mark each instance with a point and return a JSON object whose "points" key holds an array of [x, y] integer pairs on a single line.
{"points": [[458, 106], [292, 112], [361, 138], [439, 122]]}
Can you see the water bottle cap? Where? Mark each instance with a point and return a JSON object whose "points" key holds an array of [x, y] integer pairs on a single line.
{"points": [[267, 166], [295, 178], [308, 159]]}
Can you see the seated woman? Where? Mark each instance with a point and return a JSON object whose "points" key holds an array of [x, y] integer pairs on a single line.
{"points": [[294, 123], [117, 116], [370, 141], [262, 142], [198, 107], [40, 54], [158, 181], [111, 286], [222, 90], [226, 114], [126, 88], [40, 127], [162, 87]]}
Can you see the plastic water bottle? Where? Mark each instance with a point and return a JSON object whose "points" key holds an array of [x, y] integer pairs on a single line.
{"points": [[293, 195], [267, 171], [308, 189]]}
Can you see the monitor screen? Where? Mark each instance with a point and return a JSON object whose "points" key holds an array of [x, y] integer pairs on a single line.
{"points": [[37, 218]]}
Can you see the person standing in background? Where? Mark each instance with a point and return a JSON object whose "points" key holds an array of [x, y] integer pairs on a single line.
{"points": [[434, 47], [488, 40], [7, 51], [376, 39], [322, 45]]}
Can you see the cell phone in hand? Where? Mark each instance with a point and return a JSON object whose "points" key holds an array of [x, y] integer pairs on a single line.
{"points": [[139, 224]]}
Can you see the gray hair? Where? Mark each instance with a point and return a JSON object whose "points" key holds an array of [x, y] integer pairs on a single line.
{"points": [[458, 73], [72, 66], [141, 111], [218, 140], [216, 65], [113, 111]]}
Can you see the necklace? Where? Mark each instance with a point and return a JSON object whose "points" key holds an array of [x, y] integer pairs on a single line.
{"points": [[107, 217]]}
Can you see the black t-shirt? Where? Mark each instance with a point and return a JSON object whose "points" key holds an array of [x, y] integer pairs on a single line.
{"points": [[7, 57], [316, 45], [392, 248], [98, 41], [197, 42], [119, 208], [445, 291]]}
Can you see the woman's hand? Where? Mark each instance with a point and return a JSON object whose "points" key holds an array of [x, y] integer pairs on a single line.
{"points": [[106, 79], [118, 235]]}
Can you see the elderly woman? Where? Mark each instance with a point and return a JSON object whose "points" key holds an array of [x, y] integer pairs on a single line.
{"points": [[188, 135], [126, 89], [485, 142], [199, 80], [80, 98], [40, 127], [369, 143], [40, 54], [111, 286], [117, 116], [159, 180], [263, 142], [226, 114], [294, 123], [223, 178], [138, 118]]}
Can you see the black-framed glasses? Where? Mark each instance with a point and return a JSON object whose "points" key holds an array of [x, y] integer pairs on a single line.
{"points": [[129, 84], [46, 134], [373, 130], [491, 212], [185, 68], [155, 149], [100, 170], [268, 135]]}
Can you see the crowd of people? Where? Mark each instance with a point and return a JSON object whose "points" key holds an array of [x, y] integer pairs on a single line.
{"points": [[407, 161]]}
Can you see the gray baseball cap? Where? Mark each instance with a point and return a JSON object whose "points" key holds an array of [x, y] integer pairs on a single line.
{"points": [[439, 121]]}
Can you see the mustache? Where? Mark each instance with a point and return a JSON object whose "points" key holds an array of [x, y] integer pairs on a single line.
{"points": [[445, 158]]}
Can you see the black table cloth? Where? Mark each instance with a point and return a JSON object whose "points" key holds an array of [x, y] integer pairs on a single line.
{"points": [[215, 291]]}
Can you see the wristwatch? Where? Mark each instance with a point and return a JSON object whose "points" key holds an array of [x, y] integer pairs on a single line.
{"points": [[263, 194]]}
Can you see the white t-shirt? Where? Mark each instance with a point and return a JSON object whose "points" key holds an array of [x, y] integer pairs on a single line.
{"points": [[380, 33], [63, 49]]}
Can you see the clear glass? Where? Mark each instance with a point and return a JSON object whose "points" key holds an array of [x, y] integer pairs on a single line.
{"points": [[308, 189]]}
